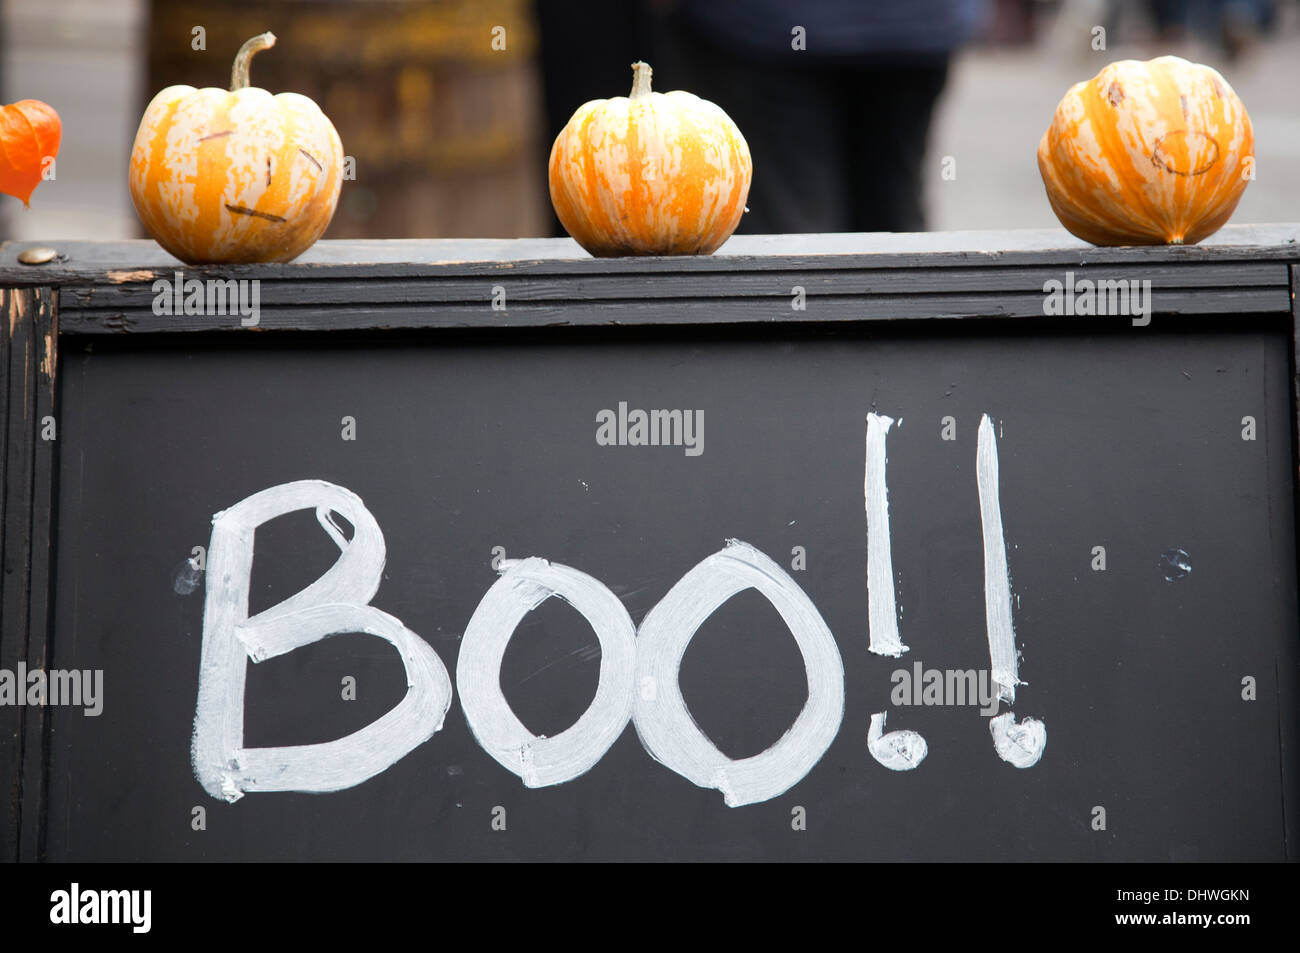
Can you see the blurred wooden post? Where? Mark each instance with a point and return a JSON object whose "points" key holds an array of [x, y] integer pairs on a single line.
{"points": [[445, 129]]}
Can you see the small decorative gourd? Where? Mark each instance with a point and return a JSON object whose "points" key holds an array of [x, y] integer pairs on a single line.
{"points": [[238, 175], [1148, 153], [650, 173]]}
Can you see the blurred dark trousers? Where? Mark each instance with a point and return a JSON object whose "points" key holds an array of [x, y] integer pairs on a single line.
{"points": [[836, 147]]}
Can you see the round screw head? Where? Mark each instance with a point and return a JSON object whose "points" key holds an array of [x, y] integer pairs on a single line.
{"points": [[37, 255]]}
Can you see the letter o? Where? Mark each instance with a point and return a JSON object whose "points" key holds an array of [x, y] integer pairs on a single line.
{"points": [[541, 761], [664, 723]]}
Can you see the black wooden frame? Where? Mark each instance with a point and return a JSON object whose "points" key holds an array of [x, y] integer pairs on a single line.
{"points": [[92, 291]]}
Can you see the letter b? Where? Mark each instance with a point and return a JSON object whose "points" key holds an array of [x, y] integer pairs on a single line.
{"points": [[336, 603]]}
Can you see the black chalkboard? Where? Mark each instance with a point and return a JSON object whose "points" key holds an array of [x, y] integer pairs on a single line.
{"points": [[1166, 451]]}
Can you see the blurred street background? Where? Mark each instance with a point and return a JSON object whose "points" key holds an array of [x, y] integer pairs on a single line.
{"points": [[450, 133]]}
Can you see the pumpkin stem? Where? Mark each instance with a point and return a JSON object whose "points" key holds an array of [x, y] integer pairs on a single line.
{"points": [[239, 73], [641, 73]]}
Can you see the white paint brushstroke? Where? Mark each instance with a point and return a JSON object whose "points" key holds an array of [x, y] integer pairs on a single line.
{"points": [[898, 750], [1018, 744], [997, 578], [335, 603], [540, 761], [664, 723], [882, 613]]}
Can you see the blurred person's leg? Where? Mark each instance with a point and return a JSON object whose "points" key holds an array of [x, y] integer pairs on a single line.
{"points": [[790, 118], [886, 115], [586, 51], [1244, 22], [1170, 17]]}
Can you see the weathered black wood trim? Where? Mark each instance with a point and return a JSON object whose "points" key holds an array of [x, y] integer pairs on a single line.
{"points": [[10, 727], [1295, 372], [82, 262], [1288, 703], [27, 544], [31, 845], [776, 282], [109, 288], [331, 314]]}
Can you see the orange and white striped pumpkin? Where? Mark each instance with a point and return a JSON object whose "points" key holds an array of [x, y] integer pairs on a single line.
{"points": [[1147, 153], [650, 173], [238, 175]]}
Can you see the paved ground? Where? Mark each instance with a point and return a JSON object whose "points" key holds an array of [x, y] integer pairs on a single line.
{"points": [[86, 57]]}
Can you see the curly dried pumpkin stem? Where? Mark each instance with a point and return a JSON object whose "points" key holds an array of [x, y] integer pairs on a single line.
{"points": [[239, 72], [641, 73]]}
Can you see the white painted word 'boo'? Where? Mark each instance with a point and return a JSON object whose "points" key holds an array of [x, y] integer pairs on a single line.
{"points": [[638, 668]]}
